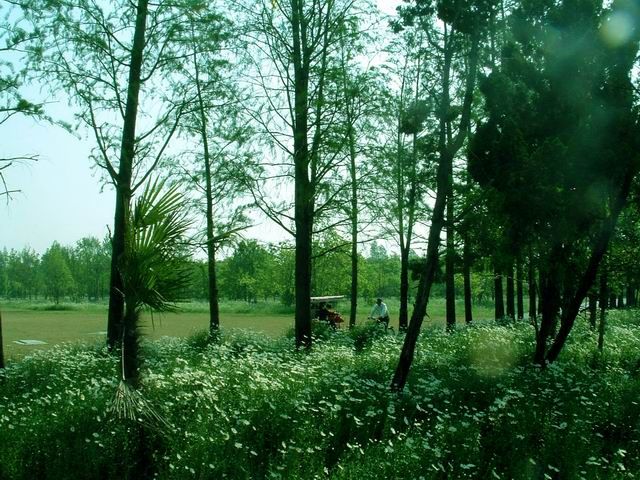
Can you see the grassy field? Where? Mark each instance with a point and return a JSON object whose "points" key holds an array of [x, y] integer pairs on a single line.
{"points": [[86, 323], [55, 327]]}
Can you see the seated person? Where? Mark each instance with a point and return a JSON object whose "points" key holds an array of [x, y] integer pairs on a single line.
{"points": [[323, 312], [334, 318], [380, 313]]}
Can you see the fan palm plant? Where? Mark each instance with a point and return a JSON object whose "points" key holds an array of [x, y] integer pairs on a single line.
{"points": [[154, 267], [154, 272]]}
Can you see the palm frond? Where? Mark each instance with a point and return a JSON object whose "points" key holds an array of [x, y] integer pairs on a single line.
{"points": [[154, 268], [129, 404]]}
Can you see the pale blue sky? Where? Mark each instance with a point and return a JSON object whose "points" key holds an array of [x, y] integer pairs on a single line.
{"points": [[60, 196]]}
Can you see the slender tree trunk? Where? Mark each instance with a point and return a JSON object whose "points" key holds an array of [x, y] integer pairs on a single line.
{"points": [[125, 172], [631, 296], [130, 345], [597, 253], [549, 306], [450, 286], [354, 226], [1, 344], [468, 314], [404, 288], [620, 300], [603, 305], [353, 173], [519, 290], [533, 314], [613, 301], [409, 205], [499, 296], [303, 211], [424, 286], [447, 153], [593, 310], [214, 310], [511, 307]]}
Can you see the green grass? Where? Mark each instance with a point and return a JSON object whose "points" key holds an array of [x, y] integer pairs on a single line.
{"points": [[55, 327], [251, 407], [83, 322]]}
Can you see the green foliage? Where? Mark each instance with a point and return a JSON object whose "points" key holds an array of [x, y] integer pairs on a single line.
{"points": [[57, 275], [154, 270], [155, 266], [249, 407], [248, 274], [364, 334], [554, 123]]}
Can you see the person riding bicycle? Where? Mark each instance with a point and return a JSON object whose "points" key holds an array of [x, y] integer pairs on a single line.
{"points": [[380, 313]]}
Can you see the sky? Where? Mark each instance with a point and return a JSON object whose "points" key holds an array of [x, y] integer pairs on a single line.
{"points": [[62, 196]]}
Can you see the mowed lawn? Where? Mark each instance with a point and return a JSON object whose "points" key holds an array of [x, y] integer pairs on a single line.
{"points": [[87, 324], [54, 327]]}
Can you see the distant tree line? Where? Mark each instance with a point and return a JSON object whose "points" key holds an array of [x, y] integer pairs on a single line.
{"points": [[253, 272], [249, 272], [78, 273]]}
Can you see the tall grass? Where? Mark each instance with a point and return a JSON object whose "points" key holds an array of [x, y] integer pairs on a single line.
{"points": [[252, 407]]}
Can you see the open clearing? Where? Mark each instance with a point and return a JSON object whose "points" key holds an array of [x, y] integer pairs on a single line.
{"points": [[54, 327], [87, 323]]}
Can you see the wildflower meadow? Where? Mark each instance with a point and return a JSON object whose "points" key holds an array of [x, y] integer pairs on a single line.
{"points": [[250, 407]]}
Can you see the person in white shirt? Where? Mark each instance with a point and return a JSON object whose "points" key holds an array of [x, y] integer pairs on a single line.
{"points": [[380, 313]]}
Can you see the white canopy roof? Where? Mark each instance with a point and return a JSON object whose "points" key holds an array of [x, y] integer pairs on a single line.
{"points": [[327, 299]]}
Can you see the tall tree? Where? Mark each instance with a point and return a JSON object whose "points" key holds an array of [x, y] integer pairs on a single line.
{"points": [[294, 45], [462, 25], [218, 128], [112, 60], [408, 143], [57, 275], [361, 102]]}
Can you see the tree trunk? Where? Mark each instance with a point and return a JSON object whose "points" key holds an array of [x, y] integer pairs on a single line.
{"points": [[405, 240], [519, 291], [214, 310], [511, 308], [499, 297], [303, 211], [404, 289], [631, 296], [613, 301], [549, 304], [447, 153], [425, 284], [125, 172], [620, 300], [1, 344], [603, 305], [593, 310], [130, 345], [532, 291], [354, 227], [597, 253], [468, 315], [450, 291], [353, 173]]}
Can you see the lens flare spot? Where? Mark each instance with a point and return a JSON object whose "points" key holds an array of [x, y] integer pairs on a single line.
{"points": [[617, 29], [492, 356]]}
